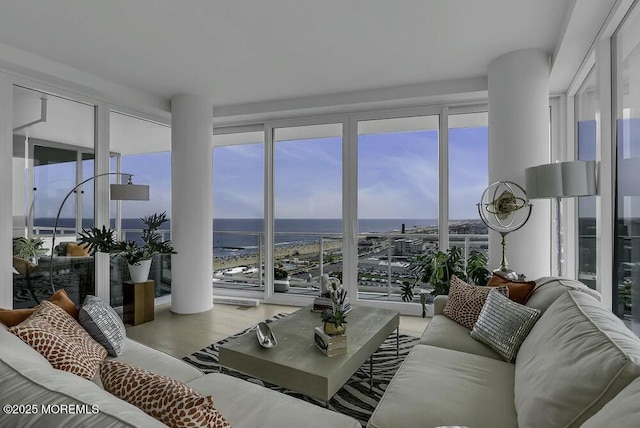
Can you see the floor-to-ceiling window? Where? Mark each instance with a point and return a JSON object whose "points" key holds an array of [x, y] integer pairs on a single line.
{"points": [[626, 290], [398, 199], [390, 169], [468, 153], [53, 146], [586, 100], [307, 205], [143, 148], [238, 211]]}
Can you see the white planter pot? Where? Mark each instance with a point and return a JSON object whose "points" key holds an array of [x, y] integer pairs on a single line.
{"points": [[280, 285], [140, 271]]}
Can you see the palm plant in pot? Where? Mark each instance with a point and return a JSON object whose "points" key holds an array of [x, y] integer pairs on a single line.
{"points": [[29, 248], [138, 256]]}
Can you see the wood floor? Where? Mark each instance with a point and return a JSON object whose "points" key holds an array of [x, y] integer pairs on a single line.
{"points": [[181, 335]]}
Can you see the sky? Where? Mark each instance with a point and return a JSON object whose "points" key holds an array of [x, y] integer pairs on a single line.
{"points": [[397, 178]]}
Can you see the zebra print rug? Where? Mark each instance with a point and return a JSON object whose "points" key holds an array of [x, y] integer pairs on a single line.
{"points": [[353, 399]]}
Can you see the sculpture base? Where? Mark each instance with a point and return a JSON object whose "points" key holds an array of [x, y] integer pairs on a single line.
{"points": [[507, 273]]}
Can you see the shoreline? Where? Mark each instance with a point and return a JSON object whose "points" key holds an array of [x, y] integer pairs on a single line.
{"points": [[294, 250]]}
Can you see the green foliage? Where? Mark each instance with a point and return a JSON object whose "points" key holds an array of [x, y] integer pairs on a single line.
{"points": [[337, 317], [436, 268], [97, 240], [26, 248], [477, 271], [406, 291], [102, 240], [279, 273]]}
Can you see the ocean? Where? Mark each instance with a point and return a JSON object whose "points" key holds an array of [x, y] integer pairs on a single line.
{"points": [[287, 230]]}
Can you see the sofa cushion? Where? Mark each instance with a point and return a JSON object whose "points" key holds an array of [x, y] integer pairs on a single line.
{"points": [[267, 408], [139, 355], [99, 319], [47, 388], [548, 289], [162, 397], [435, 387], [504, 324], [12, 348], [466, 301], [519, 291], [577, 358], [77, 250], [446, 333], [621, 412], [61, 340]]}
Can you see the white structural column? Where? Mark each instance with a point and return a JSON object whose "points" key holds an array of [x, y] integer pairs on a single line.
{"points": [[191, 204], [518, 84]]}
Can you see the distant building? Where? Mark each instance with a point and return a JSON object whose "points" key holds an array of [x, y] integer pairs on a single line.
{"points": [[406, 246]]}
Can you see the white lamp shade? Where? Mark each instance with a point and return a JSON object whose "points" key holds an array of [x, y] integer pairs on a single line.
{"points": [[129, 192], [561, 180]]}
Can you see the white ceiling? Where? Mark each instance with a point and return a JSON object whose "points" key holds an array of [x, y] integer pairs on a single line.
{"points": [[242, 51]]}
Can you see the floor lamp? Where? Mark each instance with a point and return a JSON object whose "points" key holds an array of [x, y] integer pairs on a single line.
{"points": [[118, 192], [557, 181]]}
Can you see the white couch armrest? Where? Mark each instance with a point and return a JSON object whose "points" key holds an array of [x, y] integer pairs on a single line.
{"points": [[439, 303]]}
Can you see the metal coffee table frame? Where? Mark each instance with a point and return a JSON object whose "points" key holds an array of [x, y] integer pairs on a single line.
{"points": [[297, 364]]}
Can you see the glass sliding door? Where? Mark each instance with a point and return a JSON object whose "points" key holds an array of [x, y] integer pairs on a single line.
{"points": [[143, 148], [53, 152], [307, 189], [626, 287], [398, 191], [468, 178], [238, 211], [586, 102]]}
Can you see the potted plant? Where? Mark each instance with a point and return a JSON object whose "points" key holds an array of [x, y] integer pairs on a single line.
{"points": [[29, 248], [335, 320], [138, 256], [280, 279], [437, 268]]}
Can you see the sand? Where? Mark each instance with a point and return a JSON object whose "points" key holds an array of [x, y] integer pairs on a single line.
{"points": [[308, 251]]}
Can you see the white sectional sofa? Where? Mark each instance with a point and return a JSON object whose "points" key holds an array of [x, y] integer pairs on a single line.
{"points": [[579, 366], [27, 379]]}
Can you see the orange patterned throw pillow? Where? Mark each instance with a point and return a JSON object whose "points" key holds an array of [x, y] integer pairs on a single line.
{"points": [[466, 301], [169, 401], [61, 340]]}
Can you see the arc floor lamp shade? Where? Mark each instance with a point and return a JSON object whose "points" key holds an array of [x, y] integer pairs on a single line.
{"points": [[129, 192]]}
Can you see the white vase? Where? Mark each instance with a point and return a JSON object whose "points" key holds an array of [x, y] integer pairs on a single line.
{"points": [[140, 271]]}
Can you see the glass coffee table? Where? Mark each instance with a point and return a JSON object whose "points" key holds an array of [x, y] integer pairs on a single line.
{"points": [[297, 364]]}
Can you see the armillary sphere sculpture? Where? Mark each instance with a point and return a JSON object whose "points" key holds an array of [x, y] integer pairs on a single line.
{"points": [[504, 207]]}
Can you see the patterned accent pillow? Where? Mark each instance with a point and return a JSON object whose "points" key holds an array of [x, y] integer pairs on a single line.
{"points": [[504, 324], [103, 324], [61, 340], [466, 301], [169, 401]]}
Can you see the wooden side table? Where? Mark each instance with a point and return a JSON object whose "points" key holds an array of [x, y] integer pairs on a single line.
{"points": [[138, 302]]}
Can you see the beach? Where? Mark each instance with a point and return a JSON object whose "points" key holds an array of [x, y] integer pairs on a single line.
{"points": [[302, 251]]}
